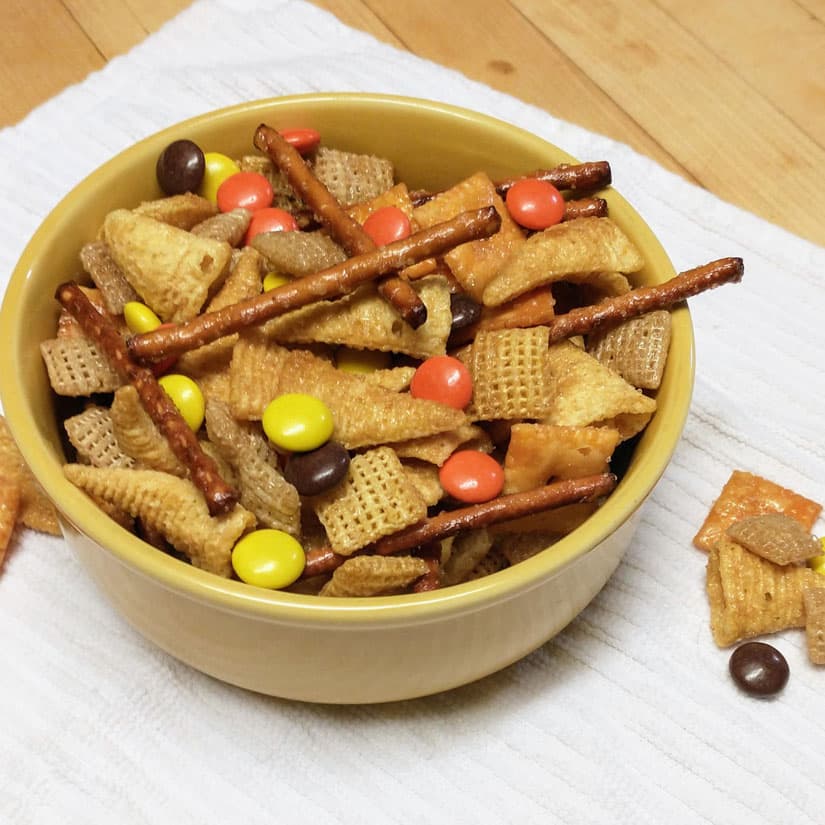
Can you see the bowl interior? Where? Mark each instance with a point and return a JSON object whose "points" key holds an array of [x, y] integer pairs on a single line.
{"points": [[433, 145]]}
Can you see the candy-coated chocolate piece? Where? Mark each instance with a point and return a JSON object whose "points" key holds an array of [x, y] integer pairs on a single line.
{"points": [[303, 139], [297, 422], [270, 219], [534, 204], [139, 318], [180, 167], [272, 280], [245, 190], [361, 360], [268, 558], [218, 168], [387, 224], [186, 395], [759, 669], [465, 311], [319, 470], [471, 476], [444, 379]]}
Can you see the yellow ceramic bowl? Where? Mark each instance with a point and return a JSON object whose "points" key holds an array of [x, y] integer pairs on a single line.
{"points": [[302, 647]]}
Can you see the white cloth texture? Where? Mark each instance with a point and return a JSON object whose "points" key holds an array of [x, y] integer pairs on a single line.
{"points": [[628, 716]]}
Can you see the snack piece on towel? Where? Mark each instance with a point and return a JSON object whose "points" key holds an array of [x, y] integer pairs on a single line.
{"points": [[171, 269], [171, 506], [775, 537], [9, 508], [815, 624], [375, 499], [538, 452], [636, 349], [35, 510], [374, 576], [182, 211], [570, 248], [351, 177], [364, 414], [588, 393], [750, 596], [365, 320], [263, 489], [746, 494], [511, 374], [476, 263], [91, 433]]}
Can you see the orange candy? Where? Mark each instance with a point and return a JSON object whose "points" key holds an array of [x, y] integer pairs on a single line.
{"points": [[471, 476], [444, 379]]}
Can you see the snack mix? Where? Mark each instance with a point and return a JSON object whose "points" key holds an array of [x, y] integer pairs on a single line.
{"points": [[295, 371]]}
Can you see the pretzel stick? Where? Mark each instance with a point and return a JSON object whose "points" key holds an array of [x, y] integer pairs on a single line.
{"points": [[220, 497], [442, 525], [342, 228], [585, 208], [329, 283], [575, 177], [643, 299]]}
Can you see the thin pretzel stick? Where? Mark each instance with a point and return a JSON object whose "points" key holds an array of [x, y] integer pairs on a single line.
{"points": [[613, 311], [330, 283], [220, 497], [442, 525], [575, 177], [342, 228], [431, 580]]}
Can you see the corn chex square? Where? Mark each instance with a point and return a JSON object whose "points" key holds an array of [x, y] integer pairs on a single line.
{"points": [[375, 499], [750, 596], [374, 576], [511, 374]]}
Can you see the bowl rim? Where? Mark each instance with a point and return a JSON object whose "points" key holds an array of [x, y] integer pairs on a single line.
{"points": [[80, 515]]}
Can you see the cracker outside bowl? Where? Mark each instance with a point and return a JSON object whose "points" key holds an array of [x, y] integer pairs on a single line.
{"points": [[296, 646]]}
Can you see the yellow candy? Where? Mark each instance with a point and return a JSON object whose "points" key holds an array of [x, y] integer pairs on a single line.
{"points": [[297, 422], [359, 360], [275, 279], [139, 318], [268, 558], [817, 563], [186, 395], [218, 168]]}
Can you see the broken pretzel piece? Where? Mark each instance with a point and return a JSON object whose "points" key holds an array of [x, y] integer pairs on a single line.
{"points": [[220, 497]]}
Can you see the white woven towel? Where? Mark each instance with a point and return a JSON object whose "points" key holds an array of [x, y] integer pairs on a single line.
{"points": [[627, 717]]}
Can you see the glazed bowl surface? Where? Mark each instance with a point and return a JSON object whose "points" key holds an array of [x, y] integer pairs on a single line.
{"points": [[305, 647]]}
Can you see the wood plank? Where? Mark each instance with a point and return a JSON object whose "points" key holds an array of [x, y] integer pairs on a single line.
{"points": [[152, 14], [33, 68], [814, 7], [692, 103], [357, 15], [747, 43], [109, 24], [513, 56]]}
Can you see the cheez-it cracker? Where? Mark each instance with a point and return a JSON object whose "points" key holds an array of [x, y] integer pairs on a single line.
{"points": [[746, 494]]}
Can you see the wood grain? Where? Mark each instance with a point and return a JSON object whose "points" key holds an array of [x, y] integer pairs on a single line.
{"points": [[732, 98]]}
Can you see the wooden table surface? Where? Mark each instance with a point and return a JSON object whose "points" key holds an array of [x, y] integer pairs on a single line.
{"points": [[728, 93]]}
